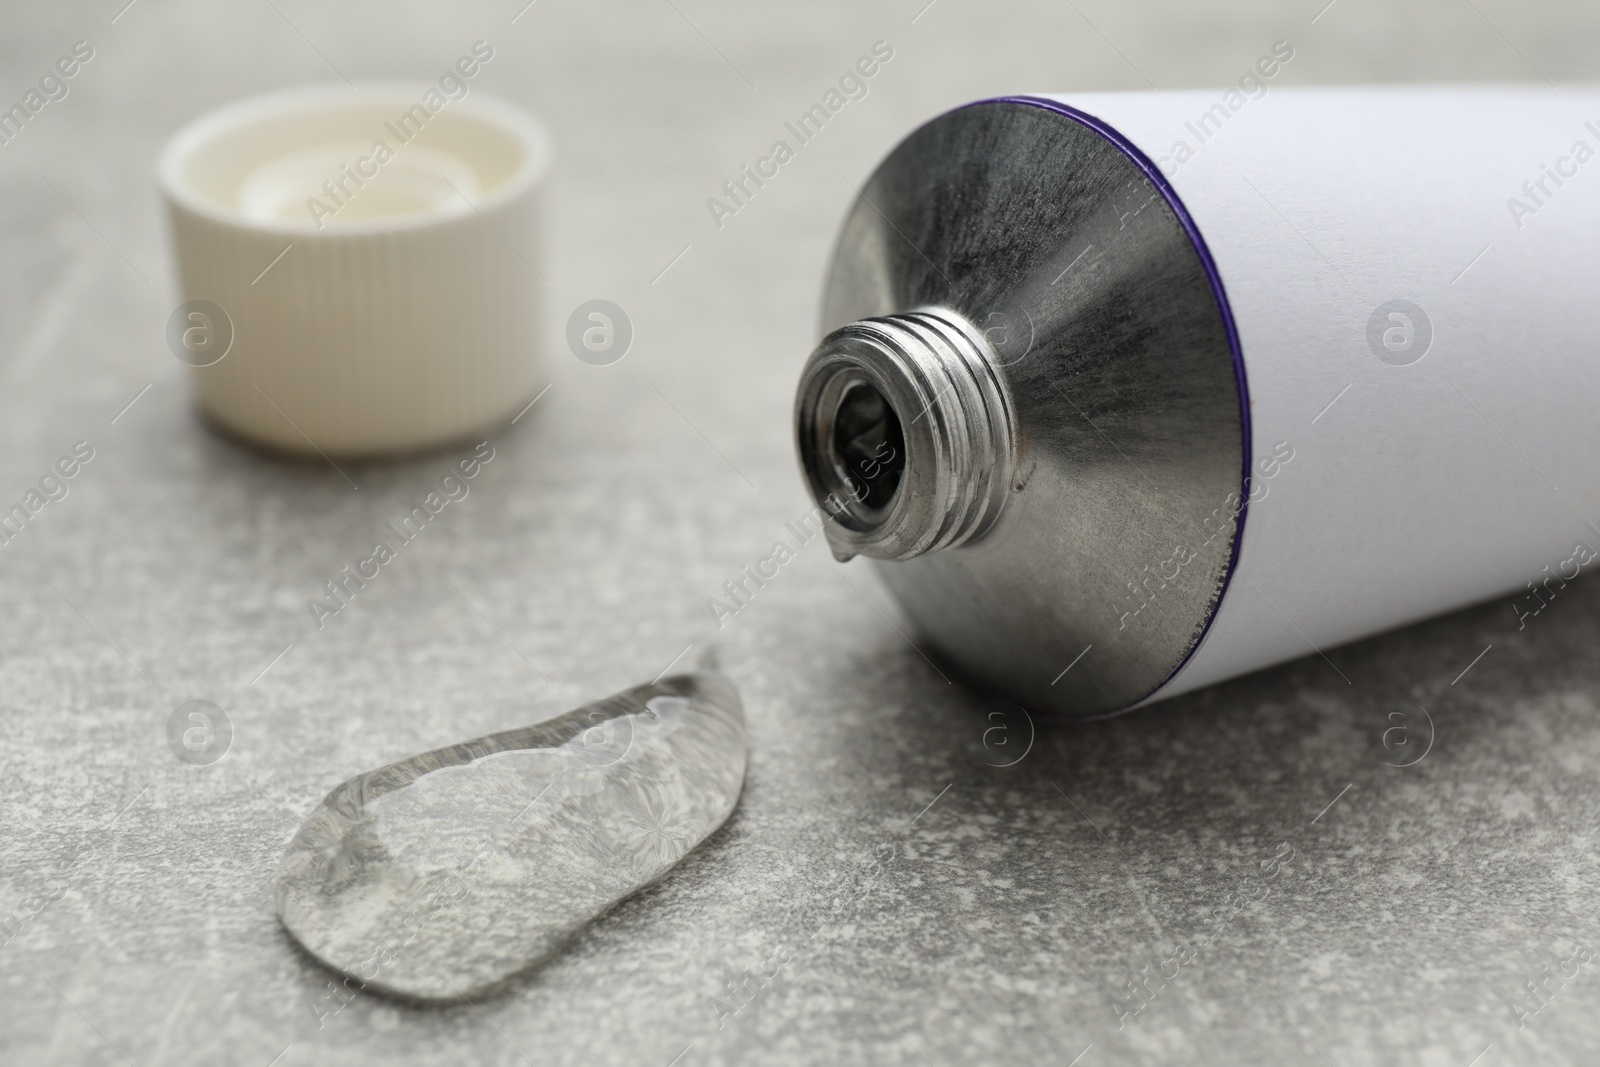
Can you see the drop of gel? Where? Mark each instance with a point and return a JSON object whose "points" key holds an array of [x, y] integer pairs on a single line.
{"points": [[443, 876]]}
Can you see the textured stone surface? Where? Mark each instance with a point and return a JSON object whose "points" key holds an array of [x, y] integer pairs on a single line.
{"points": [[999, 924]]}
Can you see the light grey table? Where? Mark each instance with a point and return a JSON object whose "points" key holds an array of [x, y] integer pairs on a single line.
{"points": [[938, 909]]}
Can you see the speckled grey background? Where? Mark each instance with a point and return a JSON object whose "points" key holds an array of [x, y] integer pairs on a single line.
{"points": [[1001, 924]]}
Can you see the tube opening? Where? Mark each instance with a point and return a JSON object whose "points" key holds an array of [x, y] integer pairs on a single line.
{"points": [[869, 450], [895, 489]]}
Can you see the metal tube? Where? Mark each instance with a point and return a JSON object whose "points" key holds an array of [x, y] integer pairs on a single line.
{"points": [[1105, 347]]}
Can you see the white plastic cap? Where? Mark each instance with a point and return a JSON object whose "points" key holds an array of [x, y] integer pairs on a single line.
{"points": [[358, 268]]}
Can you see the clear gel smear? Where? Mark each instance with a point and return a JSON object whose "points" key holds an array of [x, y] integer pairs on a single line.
{"points": [[445, 875]]}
